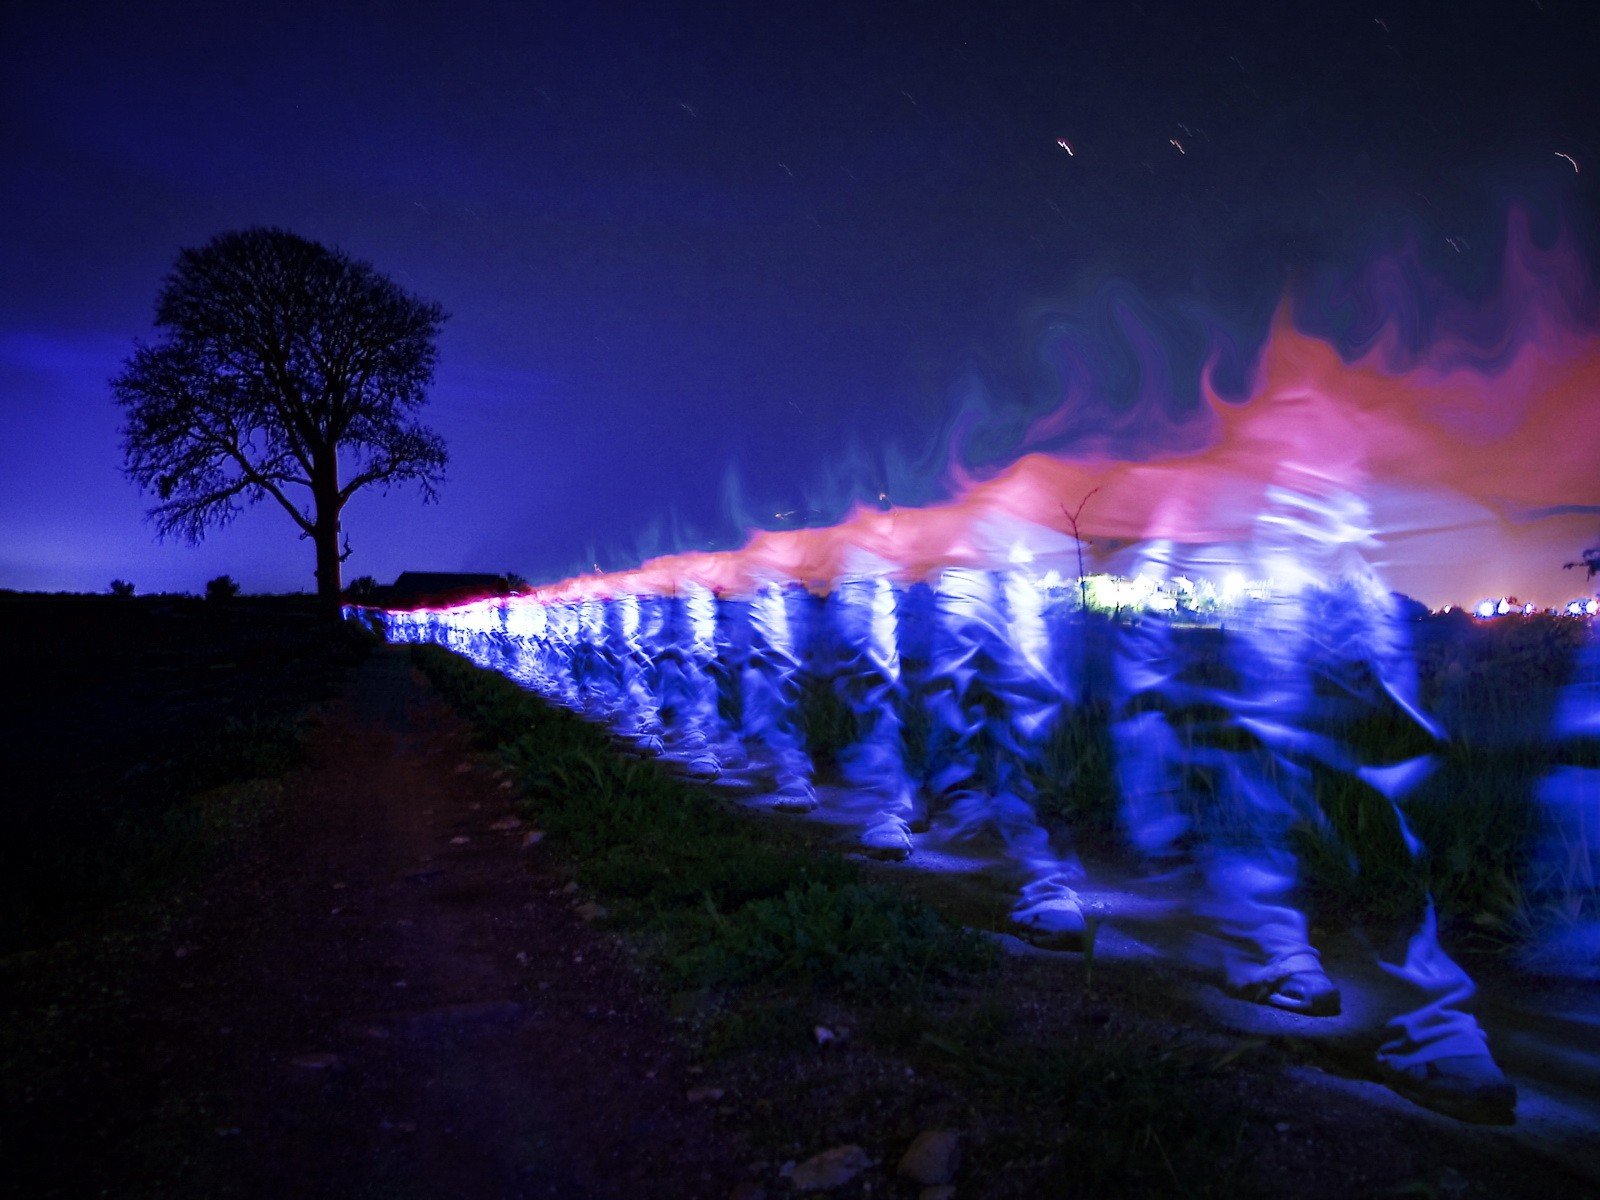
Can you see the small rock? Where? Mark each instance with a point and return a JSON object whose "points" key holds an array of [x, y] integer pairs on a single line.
{"points": [[506, 824], [532, 838], [463, 768], [830, 1169], [322, 1061], [460, 839], [702, 1094], [592, 911], [945, 1191], [932, 1157]]}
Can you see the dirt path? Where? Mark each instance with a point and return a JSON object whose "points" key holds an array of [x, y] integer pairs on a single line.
{"points": [[393, 997]]}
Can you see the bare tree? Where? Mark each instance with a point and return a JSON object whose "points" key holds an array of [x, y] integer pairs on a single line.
{"points": [[285, 370], [1072, 521]]}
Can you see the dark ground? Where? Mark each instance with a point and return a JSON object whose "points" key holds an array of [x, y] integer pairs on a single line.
{"points": [[375, 991]]}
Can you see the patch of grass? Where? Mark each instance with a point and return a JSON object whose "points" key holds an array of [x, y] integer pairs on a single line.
{"points": [[856, 940], [1075, 778], [727, 907], [1124, 1120]]}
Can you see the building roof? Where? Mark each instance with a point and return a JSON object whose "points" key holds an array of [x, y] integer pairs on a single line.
{"points": [[441, 587]]}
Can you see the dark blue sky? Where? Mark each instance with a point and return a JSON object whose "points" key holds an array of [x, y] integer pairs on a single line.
{"points": [[782, 244]]}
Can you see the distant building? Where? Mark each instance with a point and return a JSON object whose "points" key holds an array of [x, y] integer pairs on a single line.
{"points": [[414, 588]]}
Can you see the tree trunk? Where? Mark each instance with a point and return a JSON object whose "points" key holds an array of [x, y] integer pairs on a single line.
{"points": [[325, 491], [330, 589]]}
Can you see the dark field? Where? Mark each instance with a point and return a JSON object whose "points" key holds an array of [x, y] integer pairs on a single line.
{"points": [[274, 926], [125, 713]]}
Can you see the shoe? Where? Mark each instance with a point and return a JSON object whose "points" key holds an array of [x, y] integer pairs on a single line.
{"points": [[1310, 992], [794, 798], [888, 840], [1052, 923], [1306, 990], [1468, 1087]]}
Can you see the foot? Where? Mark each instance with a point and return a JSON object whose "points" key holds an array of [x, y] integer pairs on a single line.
{"points": [[1310, 992], [795, 798], [1301, 987], [699, 765], [889, 839], [1052, 922], [1468, 1087]]}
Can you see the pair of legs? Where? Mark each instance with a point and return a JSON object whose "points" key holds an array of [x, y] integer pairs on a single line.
{"points": [[1226, 741]]}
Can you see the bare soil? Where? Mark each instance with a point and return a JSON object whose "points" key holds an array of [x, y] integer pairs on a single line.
{"points": [[387, 995]]}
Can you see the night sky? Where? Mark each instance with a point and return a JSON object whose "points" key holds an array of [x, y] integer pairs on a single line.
{"points": [[709, 266]]}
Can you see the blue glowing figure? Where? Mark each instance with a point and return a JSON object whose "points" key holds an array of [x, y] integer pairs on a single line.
{"points": [[769, 692], [995, 695], [1568, 852], [861, 616], [1227, 740], [682, 632]]}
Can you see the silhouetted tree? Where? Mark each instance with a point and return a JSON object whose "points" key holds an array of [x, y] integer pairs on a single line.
{"points": [[282, 365], [121, 589], [362, 587], [1590, 561], [221, 589]]}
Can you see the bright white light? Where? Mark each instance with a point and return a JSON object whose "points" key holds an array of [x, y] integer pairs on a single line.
{"points": [[1528, 609], [1592, 607], [1503, 607], [1021, 555], [1233, 585], [1485, 608]]}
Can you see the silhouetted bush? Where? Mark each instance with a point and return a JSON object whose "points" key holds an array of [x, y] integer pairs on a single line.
{"points": [[221, 589], [121, 588]]}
